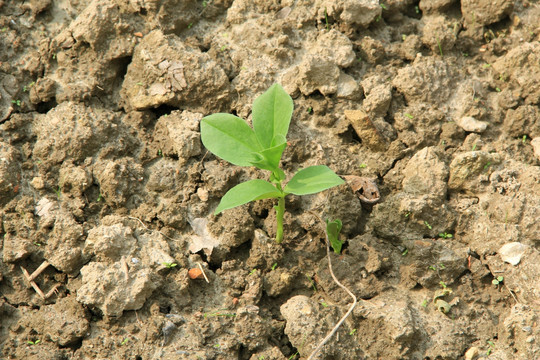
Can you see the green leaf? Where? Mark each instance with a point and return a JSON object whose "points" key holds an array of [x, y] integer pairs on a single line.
{"points": [[312, 180], [230, 138], [269, 158], [332, 230], [272, 113], [247, 191]]}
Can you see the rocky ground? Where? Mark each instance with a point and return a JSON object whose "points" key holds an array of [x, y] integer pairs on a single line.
{"points": [[104, 180]]}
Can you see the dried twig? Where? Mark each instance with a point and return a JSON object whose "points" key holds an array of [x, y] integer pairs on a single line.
{"points": [[204, 274]]}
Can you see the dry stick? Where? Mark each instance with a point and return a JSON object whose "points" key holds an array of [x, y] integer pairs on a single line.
{"points": [[335, 329]]}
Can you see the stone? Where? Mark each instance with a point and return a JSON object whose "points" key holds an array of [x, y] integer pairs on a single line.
{"points": [[112, 290], [535, 143], [366, 130], [512, 252], [470, 124], [485, 12]]}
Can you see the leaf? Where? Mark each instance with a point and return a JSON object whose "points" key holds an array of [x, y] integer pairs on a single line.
{"points": [[269, 158], [332, 230], [272, 113], [247, 191], [230, 138], [312, 180]]}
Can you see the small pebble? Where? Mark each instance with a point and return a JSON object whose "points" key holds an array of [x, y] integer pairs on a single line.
{"points": [[512, 252], [472, 353], [470, 124], [195, 273]]}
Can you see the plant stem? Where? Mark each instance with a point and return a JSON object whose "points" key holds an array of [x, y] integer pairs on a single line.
{"points": [[280, 211]]}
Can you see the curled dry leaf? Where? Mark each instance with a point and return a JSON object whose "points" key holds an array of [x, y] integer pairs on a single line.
{"points": [[366, 189], [195, 273]]}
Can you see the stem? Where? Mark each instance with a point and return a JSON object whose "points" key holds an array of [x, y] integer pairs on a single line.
{"points": [[280, 211]]}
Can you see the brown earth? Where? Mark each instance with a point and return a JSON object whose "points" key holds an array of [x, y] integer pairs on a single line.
{"points": [[103, 176]]}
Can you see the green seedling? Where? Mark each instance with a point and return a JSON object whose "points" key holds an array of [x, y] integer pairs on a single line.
{"points": [[252, 272], [425, 303], [324, 303], [427, 225], [160, 153], [409, 116], [29, 342], [16, 102], [58, 192], [274, 266], [445, 235], [498, 280], [440, 47], [362, 166], [326, 19], [491, 347], [332, 230], [27, 87], [524, 139], [384, 7], [124, 342], [487, 165], [309, 110], [405, 252], [218, 314], [352, 332], [99, 198], [169, 265], [417, 9], [498, 89], [232, 139], [474, 147]]}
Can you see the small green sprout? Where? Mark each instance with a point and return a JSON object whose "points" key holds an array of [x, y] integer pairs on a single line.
{"points": [[309, 110], [99, 198], [37, 243], [169, 265], [378, 18], [27, 87], [332, 231], [223, 48], [417, 9], [362, 166], [4, 29], [252, 272], [35, 342], [498, 89], [124, 342], [324, 304], [160, 153], [498, 280], [312, 283], [352, 332], [487, 165], [384, 7], [445, 235], [427, 225], [58, 192], [232, 139], [190, 25], [409, 116], [524, 139], [464, 54], [440, 47], [217, 346], [16, 102], [503, 77], [425, 303], [485, 66], [491, 347], [139, 83], [274, 266], [403, 37], [443, 284], [473, 147], [405, 252], [218, 314], [326, 19]]}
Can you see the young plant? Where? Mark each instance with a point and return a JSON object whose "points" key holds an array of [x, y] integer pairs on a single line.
{"points": [[232, 139], [333, 229]]}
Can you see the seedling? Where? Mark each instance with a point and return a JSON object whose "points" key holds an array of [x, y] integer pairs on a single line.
{"points": [[498, 280], [124, 342], [491, 347], [252, 271], [326, 19], [27, 87], [363, 166], [384, 7], [474, 147], [332, 229], [29, 342], [405, 252], [427, 225], [524, 139], [99, 198], [232, 139], [274, 266], [409, 116], [445, 235], [16, 102], [352, 332], [169, 265]]}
